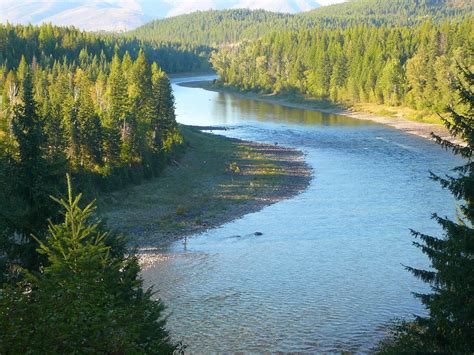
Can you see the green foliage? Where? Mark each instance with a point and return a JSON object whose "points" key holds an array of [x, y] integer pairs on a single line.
{"points": [[107, 123], [388, 12], [69, 105], [28, 176], [100, 118], [216, 28], [48, 43], [88, 298], [410, 66], [213, 27], [449, 328]]}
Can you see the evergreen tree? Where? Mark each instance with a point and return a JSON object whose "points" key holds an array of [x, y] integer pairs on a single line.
{"points": [[163, 123], [158, 125], [449, 328], [98, 114], [54, 117], [118, 96], [30, 174], [88, 298], [142, 110], [88, 123], [392, 82], [141, 90], [115, 122]]}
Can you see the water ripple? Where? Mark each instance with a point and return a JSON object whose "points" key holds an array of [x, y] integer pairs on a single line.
{"points": [[326, 275]]}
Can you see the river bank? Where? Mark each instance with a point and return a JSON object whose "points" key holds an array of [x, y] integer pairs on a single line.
{"points": [[393, 119], [218, 179]]}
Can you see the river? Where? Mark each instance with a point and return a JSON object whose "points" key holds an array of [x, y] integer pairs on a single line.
{"points": [[327, 274]]}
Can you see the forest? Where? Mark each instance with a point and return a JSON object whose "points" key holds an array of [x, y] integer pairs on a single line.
{"points": [[397, 66], [48, 43], [77, 104], [215, 28]]}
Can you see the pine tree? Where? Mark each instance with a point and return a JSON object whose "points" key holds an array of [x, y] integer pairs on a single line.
{"points": [[33, 175], [392, 82], [118, 96], [54, 118], [88, 297], [71, 127], [168, 126], [141, 90], [141, 101], [90, 128], [449, 328], [157, 123], [115, 121]]}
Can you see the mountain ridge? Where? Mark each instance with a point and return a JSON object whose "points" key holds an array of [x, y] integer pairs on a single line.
{"points": [[122, 15], [222, 27]]}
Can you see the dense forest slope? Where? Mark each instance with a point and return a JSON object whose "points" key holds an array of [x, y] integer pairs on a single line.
{"points": [[411, 66], [120, 15], [214, 27], [48, 43], [388, 12], [231, 26]]}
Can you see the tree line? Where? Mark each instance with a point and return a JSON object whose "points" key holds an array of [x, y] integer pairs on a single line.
{"points": [[388, 12], [213, 27], [48, 43], [222, 27], [100, 117], [410, 66]]}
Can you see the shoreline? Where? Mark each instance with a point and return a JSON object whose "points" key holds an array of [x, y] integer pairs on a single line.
{"points": [[420, 129], [190, 198]]}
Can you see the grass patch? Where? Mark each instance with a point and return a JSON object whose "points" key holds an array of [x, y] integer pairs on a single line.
{"points": [[398, 111], [216, 180]]}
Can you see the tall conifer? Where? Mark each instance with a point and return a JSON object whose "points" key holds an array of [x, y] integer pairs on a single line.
{"points": [[449, 326]]}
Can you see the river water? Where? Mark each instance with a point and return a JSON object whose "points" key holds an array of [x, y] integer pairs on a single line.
{"points": [[327, 273]]}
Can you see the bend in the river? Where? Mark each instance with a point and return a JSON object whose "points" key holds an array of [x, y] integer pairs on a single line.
{"points": [[326, 274]]}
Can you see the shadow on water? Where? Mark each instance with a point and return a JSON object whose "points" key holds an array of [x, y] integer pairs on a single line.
{"points": [[261, 111]]}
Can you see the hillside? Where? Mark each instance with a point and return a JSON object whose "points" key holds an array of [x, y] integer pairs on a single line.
{"points": [[214, 27], [231, 26], [388, 12], [120, 15], [87, 15]]}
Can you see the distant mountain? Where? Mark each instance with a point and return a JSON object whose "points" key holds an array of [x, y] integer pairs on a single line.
{"points": [[108, 15], [119, 15]]}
